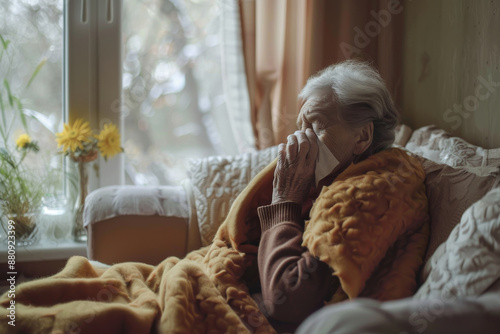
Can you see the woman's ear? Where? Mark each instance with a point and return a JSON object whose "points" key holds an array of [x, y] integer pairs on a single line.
{"points": [[364, 139]]}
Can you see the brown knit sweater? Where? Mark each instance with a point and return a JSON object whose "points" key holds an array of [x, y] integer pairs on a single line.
{"points": [[294, 284]]}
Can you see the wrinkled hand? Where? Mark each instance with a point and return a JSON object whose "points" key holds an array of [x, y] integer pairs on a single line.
{"points": [[294, 173]]}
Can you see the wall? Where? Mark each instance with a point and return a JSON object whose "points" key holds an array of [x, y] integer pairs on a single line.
{"points": [[451, 67]]}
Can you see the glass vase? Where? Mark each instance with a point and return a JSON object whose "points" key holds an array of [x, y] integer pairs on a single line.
{"points": [[79, 231], [57, 216], [26, 228]]}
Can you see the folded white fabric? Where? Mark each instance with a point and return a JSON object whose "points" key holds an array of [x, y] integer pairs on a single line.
{"points": [[109, 202]]}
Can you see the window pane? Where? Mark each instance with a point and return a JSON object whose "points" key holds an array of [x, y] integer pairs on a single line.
{"points": [[34, 31], [173, 101]]}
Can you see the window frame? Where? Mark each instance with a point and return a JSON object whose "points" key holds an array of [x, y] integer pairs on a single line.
{"points": [[92, 78]]}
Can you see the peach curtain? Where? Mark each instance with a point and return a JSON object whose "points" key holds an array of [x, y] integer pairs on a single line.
{"points": [[286, 41]]}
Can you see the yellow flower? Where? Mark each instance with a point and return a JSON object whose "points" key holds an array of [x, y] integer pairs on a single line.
{"points": [[74, 136], [23, 141], [109, 141]]}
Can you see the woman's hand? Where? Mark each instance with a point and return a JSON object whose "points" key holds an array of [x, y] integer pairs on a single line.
{"points": [[294, 173]]}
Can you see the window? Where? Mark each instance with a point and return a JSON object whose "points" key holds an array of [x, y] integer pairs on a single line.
{"points": [[163, 55], [173, 103], [33, 30]]}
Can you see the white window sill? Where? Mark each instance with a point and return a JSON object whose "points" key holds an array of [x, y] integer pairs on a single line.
{"points": [[45, 250]]}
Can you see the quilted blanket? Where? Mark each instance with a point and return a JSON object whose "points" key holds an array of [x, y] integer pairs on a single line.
{"points": [[207, 291]]}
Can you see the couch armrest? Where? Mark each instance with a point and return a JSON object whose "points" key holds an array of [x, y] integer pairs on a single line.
{"points": [[145, 224], [135, 238]]}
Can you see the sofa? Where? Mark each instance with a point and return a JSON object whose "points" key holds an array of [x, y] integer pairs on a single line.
{"points": [[459, 283]]}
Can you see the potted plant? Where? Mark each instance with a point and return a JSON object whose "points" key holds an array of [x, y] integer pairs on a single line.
{"points": [[20, 186], [20, 191]]}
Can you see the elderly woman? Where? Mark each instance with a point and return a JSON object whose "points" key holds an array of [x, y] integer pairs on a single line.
{"points": [[347, 108], [364, 226]]}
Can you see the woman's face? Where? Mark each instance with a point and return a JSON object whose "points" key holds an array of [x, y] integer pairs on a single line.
{"points": [[337, 136]]}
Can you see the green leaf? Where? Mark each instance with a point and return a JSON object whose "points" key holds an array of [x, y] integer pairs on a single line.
{"points": [[5, 175], [5, 43], [35, 73], [4, 120], [5, 156], [21, 113], [2, 107], [7, 86]]}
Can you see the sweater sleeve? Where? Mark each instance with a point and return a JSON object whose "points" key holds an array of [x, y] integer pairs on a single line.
{"points": [[294, 283]]}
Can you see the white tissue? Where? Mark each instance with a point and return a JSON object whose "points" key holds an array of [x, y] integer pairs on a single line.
{"points": [[325, 162]]}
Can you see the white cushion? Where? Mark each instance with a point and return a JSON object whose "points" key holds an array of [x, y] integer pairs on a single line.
{"points": [[109, 202], [468, 263]]}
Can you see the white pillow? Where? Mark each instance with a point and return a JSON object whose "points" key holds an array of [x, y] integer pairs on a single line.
{"points": [[468, 263], [216, 181]]}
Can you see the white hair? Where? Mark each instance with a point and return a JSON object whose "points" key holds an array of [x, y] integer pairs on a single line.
{"points": [[357, 91]]}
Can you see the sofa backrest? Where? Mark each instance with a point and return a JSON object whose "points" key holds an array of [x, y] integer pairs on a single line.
{"points": [[216, 181], [457, 175]]}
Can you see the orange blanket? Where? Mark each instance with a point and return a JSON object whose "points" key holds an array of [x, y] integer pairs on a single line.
{"points": [[206, 291], [371, 227]]}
